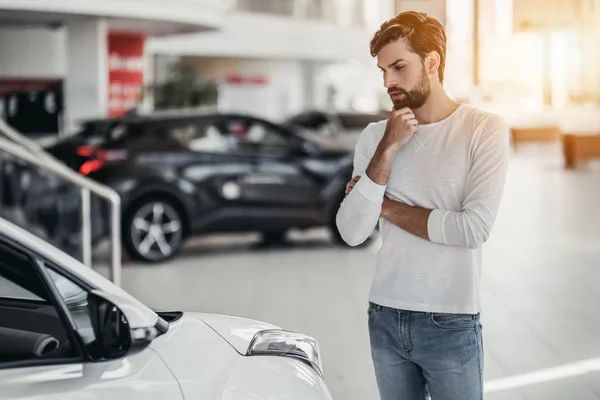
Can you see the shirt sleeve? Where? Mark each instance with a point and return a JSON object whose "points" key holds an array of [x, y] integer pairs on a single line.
{"points": [[484, 187], [359, 212]]}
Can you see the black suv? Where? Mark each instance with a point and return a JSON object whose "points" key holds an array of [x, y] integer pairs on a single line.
{"points": [[183, 175]]}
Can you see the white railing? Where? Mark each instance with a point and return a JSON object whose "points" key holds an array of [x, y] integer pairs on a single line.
{"points": [[21, 147]]}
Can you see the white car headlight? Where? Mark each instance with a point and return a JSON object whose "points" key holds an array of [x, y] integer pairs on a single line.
{"points": [[287, 344]]}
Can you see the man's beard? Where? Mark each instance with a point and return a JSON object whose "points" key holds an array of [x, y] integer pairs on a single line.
{"points": [[414, 98]]}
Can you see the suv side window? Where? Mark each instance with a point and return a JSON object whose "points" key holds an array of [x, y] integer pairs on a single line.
{"points": [[198, 136], [255, 137], [228, 135], [145, 137], [214, 136]]}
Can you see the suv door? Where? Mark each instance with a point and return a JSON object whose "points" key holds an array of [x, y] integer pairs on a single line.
{"points": [[278, 179], [213, 162], [245, 169], [41, 357]]}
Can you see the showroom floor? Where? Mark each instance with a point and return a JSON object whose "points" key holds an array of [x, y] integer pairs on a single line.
{"points": [[540, 288]]}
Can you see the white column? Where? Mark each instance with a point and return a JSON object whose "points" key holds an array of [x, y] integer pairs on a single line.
{"points": [[86, 78], [309, 83], [147, 103]]}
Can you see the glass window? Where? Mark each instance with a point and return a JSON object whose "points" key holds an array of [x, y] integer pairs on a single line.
{"points": [[265, 135], [10, 290], [258, 137], [242, 136], [203, 137], [72, 294], [76, 300], [153, 137], [30, 325]]}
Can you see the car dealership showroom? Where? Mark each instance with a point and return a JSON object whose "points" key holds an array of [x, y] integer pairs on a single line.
{"points": [[179, 219]]}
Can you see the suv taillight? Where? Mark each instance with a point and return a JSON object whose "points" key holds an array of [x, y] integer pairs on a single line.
{"points": [[97, 158]]}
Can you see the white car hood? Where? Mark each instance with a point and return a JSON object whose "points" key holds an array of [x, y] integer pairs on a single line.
{"points": [[237, 331], [203, 352]]}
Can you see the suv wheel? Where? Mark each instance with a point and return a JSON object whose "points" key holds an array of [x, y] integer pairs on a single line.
{"points": [[153, 231]]}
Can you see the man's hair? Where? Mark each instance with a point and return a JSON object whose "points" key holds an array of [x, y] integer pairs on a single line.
{"points": [[423, 33]]}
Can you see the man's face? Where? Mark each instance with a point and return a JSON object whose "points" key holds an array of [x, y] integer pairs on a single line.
{"points": [[404, 75]]}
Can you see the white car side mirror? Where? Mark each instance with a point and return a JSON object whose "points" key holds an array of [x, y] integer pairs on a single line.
{"points": [[115, 335]]}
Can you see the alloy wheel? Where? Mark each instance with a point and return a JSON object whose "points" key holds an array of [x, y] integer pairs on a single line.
{"points": [[156, 231]]}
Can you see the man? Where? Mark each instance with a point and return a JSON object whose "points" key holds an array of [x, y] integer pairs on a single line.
{"points": [[432, 175]]}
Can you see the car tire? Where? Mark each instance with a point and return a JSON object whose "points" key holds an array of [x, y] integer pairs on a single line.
{"points": [[153, 230]]}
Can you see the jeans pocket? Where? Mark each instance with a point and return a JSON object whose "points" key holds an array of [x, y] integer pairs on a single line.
{"points": [[454, 321], [373, 308]]}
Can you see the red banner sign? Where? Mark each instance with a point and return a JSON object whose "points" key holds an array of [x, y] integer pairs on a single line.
{"points": [[125, 72]]}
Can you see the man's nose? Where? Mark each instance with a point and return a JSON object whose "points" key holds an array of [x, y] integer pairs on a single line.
{"points": [[389, 82]]}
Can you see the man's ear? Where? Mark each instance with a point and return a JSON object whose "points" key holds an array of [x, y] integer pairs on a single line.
{"points": [[432, 62]]}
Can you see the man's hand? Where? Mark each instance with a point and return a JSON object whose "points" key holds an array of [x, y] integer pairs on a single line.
{"points": [[401, 126], [351, 184], [386, 207]]}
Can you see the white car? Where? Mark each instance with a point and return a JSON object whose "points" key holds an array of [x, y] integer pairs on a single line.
{"points": [[67, 333]]}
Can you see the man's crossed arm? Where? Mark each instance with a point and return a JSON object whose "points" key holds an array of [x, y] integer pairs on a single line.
{"points": [[410, 218]]}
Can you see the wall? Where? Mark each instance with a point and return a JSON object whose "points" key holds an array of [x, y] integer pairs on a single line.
{"points": [[358, 85], [76, 54], [301, 58], [292, 86], [32, 52], [282, 94]]}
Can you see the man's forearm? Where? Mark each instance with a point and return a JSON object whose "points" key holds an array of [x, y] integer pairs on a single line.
{"points": [[381, 164], [412, 219]]}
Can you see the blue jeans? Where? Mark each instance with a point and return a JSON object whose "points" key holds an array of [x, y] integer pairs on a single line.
{"points": [[416, 354]]}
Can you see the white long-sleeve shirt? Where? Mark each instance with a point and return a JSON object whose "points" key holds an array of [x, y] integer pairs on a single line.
{"points": [[456, 167]]}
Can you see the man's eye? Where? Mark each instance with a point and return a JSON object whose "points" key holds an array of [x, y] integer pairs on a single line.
{"points": [[399, 67]]}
